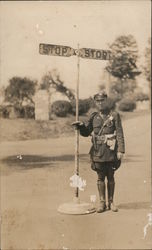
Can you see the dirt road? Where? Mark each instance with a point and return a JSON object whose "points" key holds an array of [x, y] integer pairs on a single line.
{"points": [[35, 181]]}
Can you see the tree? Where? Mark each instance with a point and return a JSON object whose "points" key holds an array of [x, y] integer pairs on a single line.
{"points": [[122, 89], [147, 68], [123, 65], [2, 94], [52, 79], [20, 89]]}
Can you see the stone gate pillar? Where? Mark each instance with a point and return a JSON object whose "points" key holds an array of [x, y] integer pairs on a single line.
{"points": [[41, 100]]}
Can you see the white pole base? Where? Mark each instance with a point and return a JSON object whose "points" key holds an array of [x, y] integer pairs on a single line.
{"points": [[76, 207]]}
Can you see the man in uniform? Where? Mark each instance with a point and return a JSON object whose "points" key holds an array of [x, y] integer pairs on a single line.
{"points": [[107, 146]]}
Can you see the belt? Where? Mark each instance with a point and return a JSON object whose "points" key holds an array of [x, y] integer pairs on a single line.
{"points": [[103, 138]]}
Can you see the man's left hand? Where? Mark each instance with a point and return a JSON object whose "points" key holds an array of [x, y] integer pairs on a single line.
{"points": [[119, 155]]}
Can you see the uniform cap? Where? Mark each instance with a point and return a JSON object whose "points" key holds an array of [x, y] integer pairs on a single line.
{"points": [[100, 96]]}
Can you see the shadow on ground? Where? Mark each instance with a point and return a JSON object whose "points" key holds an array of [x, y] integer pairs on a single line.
{"points": [[135, 205], [38, 161]]}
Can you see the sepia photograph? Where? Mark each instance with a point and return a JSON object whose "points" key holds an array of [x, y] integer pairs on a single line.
{"points": [[75, 125]]}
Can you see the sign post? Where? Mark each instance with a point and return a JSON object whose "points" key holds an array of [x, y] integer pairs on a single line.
{"points": [[75, 207], [77, 131]]}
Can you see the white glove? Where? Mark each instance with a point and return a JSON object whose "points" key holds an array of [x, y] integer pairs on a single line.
{"points": [[77, 124]]}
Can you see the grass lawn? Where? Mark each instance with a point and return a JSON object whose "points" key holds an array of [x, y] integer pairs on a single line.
{"points": [[29, 129]]}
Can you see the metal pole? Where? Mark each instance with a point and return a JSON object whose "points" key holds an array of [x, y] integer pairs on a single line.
{"points": [[77, 131], [108, 84]]}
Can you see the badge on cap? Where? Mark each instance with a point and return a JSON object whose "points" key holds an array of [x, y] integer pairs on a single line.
{"points": [[101, 95]]}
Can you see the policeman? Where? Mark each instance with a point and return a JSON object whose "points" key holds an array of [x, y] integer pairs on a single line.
{"points": [[107, 146]]}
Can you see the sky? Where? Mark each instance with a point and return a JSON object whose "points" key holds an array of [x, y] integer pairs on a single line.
{"points": [[91, 24]]}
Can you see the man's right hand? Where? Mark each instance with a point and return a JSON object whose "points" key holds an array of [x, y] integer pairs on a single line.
{"points": [[77, 124]]}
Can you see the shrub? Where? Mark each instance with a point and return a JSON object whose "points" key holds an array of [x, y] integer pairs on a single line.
{"points": [[109, 103], [115, 97], [4, 111], [29, 112], [19, 111], [84, 106], [127, 105], [141, 97], [61, 108]]}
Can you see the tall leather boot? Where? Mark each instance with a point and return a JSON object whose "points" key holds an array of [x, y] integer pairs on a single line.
{"points": [[101, 189], [111, 188]]}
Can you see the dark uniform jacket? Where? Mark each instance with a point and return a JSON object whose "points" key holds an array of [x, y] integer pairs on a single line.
{"points": [[104, 149]]}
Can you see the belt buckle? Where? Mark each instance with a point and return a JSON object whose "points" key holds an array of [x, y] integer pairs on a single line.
{"points": [[103, 137]]}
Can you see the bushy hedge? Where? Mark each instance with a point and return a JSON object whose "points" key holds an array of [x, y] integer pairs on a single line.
{"points": [[115, 98], [18, 111], [127, 105], [84, 106], [61, 108], [4, 111], [29, 112], [141, 97]]}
